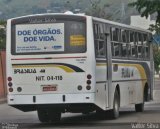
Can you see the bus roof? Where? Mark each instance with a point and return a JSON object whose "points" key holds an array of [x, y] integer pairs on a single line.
{"points": [[94, 18], [49, 14]]}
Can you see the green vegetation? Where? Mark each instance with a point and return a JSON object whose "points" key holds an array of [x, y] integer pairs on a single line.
{"points": [[110, 9], [149, 7], [146, 8], [156, 58], [2, 35]]}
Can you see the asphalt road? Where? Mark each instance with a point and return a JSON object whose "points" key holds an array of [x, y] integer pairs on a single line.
{"points": [[11, 118]]}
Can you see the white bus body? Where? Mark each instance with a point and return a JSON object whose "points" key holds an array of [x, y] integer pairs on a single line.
{"points": [[54, 65]]}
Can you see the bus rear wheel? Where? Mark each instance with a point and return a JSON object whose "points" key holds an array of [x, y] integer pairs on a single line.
{"points": [[54, 116], [43, 115], [114, 113], [48, 115], [139, 107]]}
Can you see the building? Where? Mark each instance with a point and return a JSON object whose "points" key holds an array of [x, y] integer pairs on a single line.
{"points": [[141, 22]]}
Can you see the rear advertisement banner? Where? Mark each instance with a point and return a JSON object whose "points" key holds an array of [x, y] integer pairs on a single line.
{"points": [[40, 38]]}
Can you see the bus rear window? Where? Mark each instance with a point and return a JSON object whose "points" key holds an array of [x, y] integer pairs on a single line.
{"points": [[62, 36]]}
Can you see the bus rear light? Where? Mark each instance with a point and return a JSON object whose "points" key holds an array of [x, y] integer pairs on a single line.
{"points": [[10, 84], [79, 87], [89, 76], [88, 87], [9, 79], [88, 82], [10, 89]]}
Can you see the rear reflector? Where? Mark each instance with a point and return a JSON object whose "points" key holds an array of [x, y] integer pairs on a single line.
{"points": [[88, 82], [10, 89], [9, 79], [89, 76], [10, 84]]}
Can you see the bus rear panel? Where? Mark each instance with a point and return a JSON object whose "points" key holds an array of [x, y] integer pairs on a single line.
{"points": [[47, 61]]}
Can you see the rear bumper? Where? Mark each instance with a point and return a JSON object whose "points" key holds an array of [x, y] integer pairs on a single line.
{"points": [[51, 99]]}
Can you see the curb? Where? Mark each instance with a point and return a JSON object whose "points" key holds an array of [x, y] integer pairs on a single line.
{"points": [[3, 100]]}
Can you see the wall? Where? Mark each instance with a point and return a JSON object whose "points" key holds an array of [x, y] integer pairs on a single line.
{"points": [[3, 92], [141, 22]]}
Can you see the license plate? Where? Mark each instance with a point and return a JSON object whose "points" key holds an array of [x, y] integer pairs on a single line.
{"points": [[49, 88]]}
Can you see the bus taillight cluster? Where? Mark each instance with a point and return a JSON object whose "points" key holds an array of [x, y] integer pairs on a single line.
{"points": [[10, 84], [88, 87]]}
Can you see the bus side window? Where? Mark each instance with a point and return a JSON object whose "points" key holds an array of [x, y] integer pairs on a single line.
{"points": [[132, 44], [116, 46], [124, 36], [140, 50], [124, 42], [99, 39], [136, 45], [149, 36], [95, 27], [124, 50], [112, 43], [101, 49], [145, 47]]}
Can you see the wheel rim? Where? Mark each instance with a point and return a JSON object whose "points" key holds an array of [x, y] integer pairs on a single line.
{"points": [[116, 106]]}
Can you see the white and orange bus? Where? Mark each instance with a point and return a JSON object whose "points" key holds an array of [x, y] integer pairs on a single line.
{"points": [[59, 63]]}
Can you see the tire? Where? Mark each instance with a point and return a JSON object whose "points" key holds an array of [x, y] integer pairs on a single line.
{"points": [[101, 114], [114, 113], [139, 107], [43, 115], [85, 113], [47, 115], [54, 116]]}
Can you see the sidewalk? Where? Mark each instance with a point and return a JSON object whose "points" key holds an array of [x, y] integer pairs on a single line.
{"points": [[156, 96]]}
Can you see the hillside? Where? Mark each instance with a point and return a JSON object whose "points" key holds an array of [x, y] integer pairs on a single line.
{"points": [[116, 10]]}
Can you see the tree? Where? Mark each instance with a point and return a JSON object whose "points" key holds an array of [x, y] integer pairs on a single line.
{"points": [[2, 35], [149, 7], [3, 23], [156, 55], [146, 8]]}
